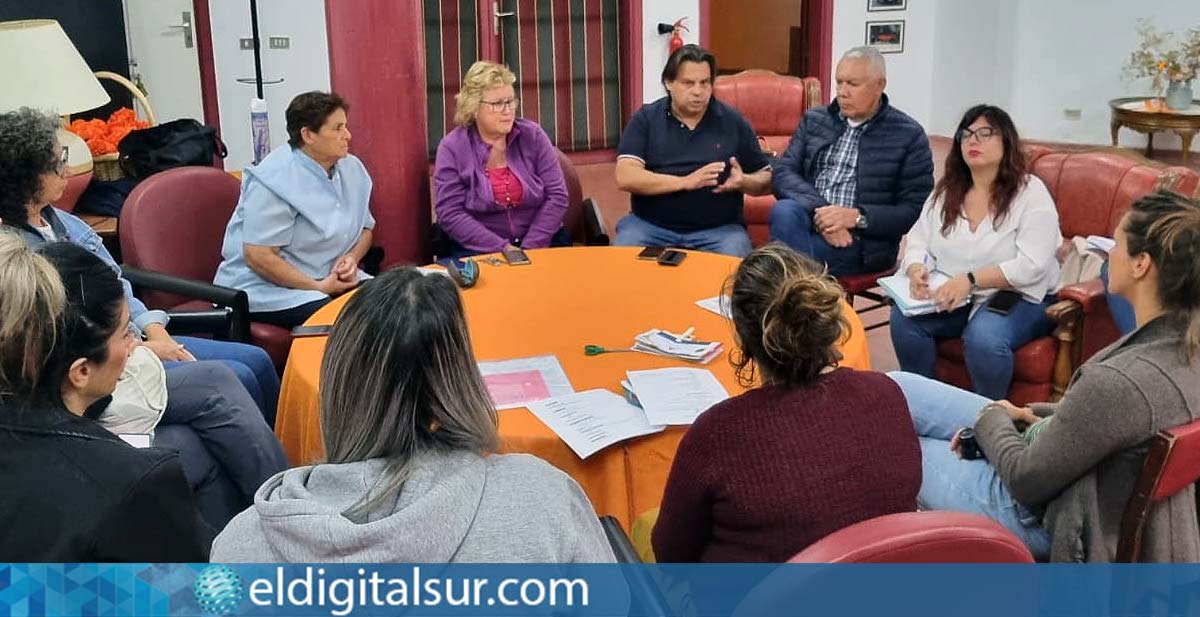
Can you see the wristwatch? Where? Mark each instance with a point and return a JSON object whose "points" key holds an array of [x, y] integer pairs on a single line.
{"points": [[971, 280], [861, 221]]}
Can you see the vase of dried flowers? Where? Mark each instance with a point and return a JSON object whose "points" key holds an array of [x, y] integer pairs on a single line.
{"points": [[1170, 64]]}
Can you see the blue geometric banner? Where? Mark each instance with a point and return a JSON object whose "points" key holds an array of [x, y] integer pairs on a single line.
{"points": [[546, 589]]}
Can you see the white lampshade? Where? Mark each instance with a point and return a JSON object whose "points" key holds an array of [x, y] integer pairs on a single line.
{"points": [[43, 70]]}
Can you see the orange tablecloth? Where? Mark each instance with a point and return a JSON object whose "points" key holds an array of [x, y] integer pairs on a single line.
{"points": [[567, 298]]}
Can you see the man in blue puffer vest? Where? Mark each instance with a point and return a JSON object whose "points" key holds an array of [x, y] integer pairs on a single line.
{"points": [[855, 175]]}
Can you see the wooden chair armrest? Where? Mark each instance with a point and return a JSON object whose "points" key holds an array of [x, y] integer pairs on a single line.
{"points": [[1067, 316]]}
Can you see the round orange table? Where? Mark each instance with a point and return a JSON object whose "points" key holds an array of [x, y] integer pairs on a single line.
{"points": [[565, 299]]}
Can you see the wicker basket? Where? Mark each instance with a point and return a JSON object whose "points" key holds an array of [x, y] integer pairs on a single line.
{"points": [[107, 167]]}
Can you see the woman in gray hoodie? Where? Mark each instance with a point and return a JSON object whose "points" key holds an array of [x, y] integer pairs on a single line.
{"points": [[410, 436]]}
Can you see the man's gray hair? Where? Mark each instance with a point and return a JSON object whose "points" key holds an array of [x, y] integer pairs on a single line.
{"points": [[870, 54]]}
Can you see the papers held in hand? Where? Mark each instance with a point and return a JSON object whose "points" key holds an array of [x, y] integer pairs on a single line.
{"points": [[898, 289]]}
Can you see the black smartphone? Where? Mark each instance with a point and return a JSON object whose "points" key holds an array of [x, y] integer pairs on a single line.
{"points": [[671, 257], [1003, 301], [651, 253], [516, 257], [305, 331]]}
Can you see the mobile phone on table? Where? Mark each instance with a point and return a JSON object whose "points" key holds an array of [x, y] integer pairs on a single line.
{"points": [[1003, 301], [306, 331], [516, 257], [671, 257], [651, 253]]}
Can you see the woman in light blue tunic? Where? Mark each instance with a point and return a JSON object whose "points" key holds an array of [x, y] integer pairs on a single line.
{"points": [[302, 223]]}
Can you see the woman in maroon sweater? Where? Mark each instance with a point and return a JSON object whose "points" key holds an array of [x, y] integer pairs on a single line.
{"points": [[814, 448]]}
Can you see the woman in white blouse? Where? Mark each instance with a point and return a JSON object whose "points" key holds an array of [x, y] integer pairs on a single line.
{"points": [[988, 226]]}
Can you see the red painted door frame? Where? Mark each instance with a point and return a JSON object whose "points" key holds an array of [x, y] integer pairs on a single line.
{"points": [[820, 46]]}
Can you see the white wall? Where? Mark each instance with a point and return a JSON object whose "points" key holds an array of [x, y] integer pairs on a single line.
{"points": [[654, 45], [971, 60], [1065, 57], [303, 67]]}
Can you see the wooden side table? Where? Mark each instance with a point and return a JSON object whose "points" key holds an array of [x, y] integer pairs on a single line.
{"points": [[1132, 113]]}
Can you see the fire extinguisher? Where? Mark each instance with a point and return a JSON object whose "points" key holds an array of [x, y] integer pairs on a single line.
{"points": [[674, 29]]}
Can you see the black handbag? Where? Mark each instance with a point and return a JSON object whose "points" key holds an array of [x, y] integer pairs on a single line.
{"points": [[176, 143]]}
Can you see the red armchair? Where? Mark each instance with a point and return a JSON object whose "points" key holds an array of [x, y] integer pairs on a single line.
{"points": [[583, 219], [1092, 189], [919, 537], [1172, 465], [173, 224], [774, 105]]}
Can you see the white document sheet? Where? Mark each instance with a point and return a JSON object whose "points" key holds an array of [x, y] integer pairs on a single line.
{"points": [[518, 382], [714, 304], [676, 395], [592, 420]]}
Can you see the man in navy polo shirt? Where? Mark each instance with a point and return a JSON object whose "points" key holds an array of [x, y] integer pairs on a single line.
{"points": [[687, 158]]}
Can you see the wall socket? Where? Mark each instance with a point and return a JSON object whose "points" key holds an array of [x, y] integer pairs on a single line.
{"points": [[246, 44], [279, 42], [1072, 113]]}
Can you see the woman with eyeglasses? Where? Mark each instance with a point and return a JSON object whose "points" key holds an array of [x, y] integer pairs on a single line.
{"points": [[497, 182], [991, 229], [31, 167], [74, 492], [302, 223]]}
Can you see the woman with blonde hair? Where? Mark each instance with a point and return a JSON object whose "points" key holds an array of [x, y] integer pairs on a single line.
{"points": [[410, 438], [74, 492], [811, 448], [497, 181]]}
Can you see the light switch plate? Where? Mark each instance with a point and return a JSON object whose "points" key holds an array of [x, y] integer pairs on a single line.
{"points": [[279, 42]]}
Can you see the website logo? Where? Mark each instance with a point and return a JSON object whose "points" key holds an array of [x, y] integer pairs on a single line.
{"points": [[219, 590]]}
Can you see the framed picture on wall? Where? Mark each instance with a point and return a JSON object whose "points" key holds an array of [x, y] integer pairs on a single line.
{"points": [[887, 5], [886, 36]]}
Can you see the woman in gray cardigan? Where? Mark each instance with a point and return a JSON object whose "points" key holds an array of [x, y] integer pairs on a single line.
{"points": [[410, 434], [1062, 484]]}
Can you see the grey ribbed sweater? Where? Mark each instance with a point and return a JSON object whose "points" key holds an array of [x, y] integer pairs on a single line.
{"points": [[1082, 468]]}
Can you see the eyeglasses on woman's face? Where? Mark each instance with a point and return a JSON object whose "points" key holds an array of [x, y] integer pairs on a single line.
{"points": [[984, 133], [504, 105]]}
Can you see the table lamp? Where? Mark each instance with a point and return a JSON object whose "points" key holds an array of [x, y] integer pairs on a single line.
{"points": [[46, 72]]}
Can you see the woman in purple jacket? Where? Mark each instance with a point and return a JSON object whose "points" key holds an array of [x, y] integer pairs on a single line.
{"points": [[497, 182]]}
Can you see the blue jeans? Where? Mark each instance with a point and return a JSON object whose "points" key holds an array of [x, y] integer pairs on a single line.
{"points": [[217, 497], [731, 239], [1120, 308], [251, 364], [989, 340], [949, 483], [792, 225], [208, 399]]}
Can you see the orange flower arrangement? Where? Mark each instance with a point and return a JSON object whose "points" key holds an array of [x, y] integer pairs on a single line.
{"points": [[102, 137]]}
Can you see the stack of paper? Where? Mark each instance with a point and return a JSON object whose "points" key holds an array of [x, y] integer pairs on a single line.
{"points": [[663, 343], [898, 289], [592, 420], [675, 395]]}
